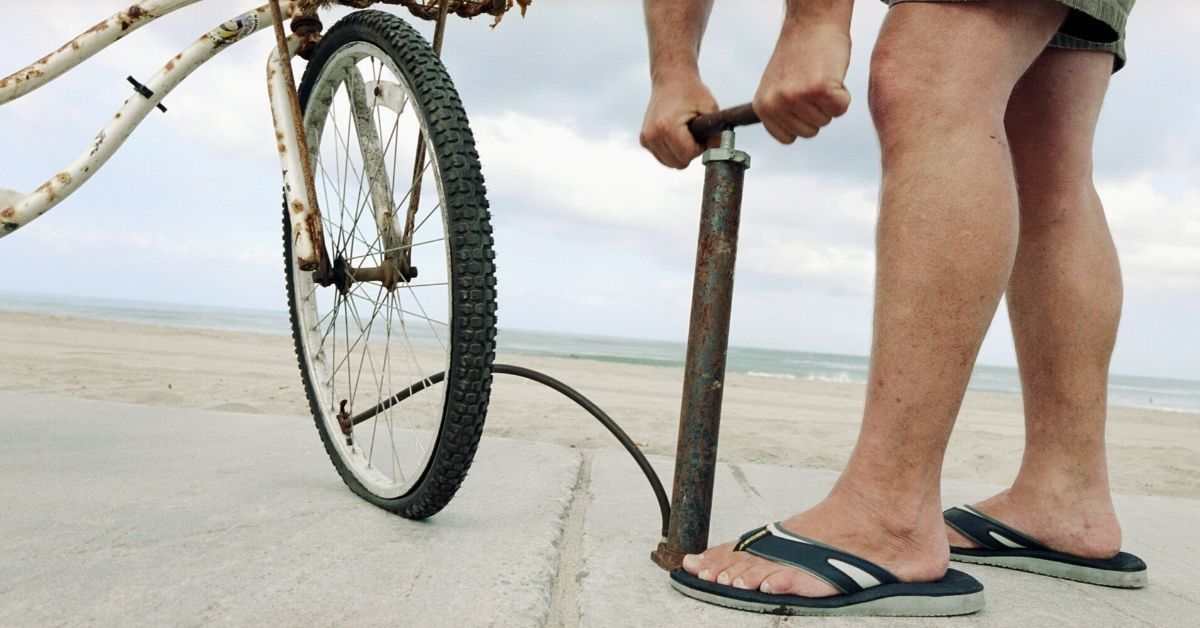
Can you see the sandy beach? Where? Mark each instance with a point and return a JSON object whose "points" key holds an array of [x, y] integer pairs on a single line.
{"points": [[772, 421]]}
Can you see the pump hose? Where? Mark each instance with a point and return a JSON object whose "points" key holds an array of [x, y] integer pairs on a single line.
{"points": [[664, 503]]}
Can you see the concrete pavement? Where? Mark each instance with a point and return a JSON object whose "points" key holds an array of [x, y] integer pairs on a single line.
{"points": [[115, 514], [123, 515]]}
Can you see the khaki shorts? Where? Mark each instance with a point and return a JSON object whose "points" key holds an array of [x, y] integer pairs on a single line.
{"points": [[1091, 25]]}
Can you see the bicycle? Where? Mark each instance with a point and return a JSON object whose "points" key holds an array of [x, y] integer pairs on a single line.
{"points": [[394, 282], [375, 239]]}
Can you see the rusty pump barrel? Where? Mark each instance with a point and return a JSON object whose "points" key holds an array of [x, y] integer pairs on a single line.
{"points": [[708, 338]]}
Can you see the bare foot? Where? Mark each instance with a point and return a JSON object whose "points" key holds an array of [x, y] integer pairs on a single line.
{"points": [[1070, 522], [914, 552]]}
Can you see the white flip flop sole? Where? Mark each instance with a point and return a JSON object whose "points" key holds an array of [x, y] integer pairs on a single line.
{"points": [[1059, 569]]}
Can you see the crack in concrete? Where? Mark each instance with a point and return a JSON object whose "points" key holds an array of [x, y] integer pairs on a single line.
{"points": [[567, 583], [739, 476], [1085, 588], [1177, 594]]}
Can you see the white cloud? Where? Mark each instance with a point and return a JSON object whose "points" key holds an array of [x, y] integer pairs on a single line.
{"points": [[1157, 235], [793, 226], [609, 181], [812, 230]]}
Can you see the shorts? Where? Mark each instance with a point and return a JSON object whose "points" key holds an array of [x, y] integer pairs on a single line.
{"points": [[1091, 25]]}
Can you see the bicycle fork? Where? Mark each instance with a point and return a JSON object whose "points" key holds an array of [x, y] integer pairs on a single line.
{"points": [[304, 212], [708, 342]]}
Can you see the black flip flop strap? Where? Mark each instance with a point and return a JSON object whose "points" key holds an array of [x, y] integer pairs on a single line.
{"points": [[842, 570], [988, 532]]}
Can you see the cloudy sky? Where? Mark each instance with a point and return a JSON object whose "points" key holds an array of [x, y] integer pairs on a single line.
{"points": [[591, 235]]}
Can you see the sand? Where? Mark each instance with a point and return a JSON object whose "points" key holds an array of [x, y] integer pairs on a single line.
{"points": [[771, 421]]}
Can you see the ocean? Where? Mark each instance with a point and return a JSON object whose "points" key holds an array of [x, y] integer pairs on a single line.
{"points": [[1178, 395]]}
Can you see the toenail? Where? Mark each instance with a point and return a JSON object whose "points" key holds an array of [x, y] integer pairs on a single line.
{"points": [[739, 584], [723, 578], [703, 574], [765, 587], [690, 561]]}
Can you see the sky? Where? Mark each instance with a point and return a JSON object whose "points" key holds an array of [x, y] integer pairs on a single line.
{"points": [[592, 236]]}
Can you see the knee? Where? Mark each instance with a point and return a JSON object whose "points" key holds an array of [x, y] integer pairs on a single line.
{"points": [[913, 92], [892, 90]]}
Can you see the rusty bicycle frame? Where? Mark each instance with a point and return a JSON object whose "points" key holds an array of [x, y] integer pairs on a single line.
{"points": [[148, 96], [304, 215]]}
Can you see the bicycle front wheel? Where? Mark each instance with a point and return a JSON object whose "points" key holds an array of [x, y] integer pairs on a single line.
{"points": [[396, 352]]}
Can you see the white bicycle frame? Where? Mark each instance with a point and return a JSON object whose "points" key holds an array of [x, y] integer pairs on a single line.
{"points": [[303, 211]]}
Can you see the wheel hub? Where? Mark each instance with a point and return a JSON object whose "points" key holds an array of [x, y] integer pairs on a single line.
{"points": [[389, 274]]}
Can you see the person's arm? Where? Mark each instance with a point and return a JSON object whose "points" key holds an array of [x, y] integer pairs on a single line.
{"points": [[803, 87], [674, 29]]}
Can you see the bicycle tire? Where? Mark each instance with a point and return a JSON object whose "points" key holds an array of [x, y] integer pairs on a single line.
{"points": [[456, 426]]}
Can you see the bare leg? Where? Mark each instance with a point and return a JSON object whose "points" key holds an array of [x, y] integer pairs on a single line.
{"points": [[1064, 301], [942, 75]]}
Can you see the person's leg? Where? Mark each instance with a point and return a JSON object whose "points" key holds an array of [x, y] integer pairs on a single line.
{"points": [[941, 78], [1064, 300]]}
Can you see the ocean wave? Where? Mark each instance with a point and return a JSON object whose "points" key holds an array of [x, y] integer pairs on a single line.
{"points": [[839, 378], [771, 375], [827, 364], [1154, 391]]}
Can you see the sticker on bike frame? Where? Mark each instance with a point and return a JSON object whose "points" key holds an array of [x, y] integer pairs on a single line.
{"points": [[234, 29]]}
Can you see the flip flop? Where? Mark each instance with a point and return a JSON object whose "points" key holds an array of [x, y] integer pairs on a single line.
{"points": [[1005, 547], [866, 588]]}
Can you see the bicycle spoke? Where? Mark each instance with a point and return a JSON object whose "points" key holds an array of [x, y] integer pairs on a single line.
{"points": [[425, 318], [326, 204], [365, 337], [425, 314], [351, 234], [427, 216], [341, 169], [350, 348], [332, 327], [412, 425], [366, 357], [341, 243], [412, 354], [404, 200], [388, 418], [398, 248], [410, 286]]}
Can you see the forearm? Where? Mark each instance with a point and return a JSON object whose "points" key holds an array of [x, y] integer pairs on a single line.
{"points": [[674, 29]]}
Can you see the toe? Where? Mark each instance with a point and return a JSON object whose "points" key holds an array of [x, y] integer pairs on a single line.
{"points": [[734, 571], [752, 577], [712, 562]]}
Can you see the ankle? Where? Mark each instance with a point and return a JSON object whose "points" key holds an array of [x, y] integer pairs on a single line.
{"points": [[1073, 484], [910, 516]]}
